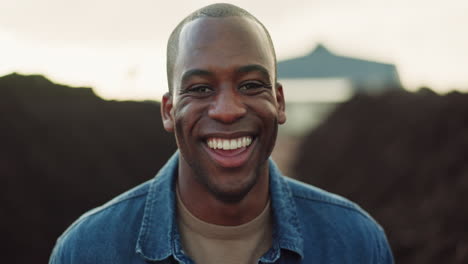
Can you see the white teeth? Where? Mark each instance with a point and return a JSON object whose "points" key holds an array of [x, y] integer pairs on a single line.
{"points": [[233, 144], [227, 144]]}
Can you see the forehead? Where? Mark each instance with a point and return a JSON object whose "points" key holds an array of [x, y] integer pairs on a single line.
{"points": [[222, 43]]}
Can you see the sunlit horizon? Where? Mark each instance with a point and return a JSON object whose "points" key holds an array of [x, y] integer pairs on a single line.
{"points": [[119, 49]]}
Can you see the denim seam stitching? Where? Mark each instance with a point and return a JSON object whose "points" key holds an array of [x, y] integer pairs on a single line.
{"points": [[345, 206]]}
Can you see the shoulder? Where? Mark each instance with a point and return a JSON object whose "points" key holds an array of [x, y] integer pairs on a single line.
{"points": [[318, 198], [339, 223], [313, 202], [100, 229]]}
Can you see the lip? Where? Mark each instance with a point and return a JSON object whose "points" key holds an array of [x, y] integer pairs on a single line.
{"points": [[230, 158]]}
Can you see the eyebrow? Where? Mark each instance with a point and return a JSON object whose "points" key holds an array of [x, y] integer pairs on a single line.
{"points": [[254, 68], [241, 70], [195, 72]]}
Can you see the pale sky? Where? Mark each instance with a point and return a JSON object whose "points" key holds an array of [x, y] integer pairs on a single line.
{"points": [[118, 47]]}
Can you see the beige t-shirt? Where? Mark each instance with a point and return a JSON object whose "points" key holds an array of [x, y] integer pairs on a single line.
{"points": [[207, 243]]}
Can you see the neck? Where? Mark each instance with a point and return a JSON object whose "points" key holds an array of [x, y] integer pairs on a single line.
{"points": [[205, 205]]}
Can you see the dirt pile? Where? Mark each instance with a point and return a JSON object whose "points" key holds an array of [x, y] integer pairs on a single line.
{"points": [[404, 158], [64, 151]]}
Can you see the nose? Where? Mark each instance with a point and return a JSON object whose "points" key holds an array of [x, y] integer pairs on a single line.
{"points": [[227, 106]]}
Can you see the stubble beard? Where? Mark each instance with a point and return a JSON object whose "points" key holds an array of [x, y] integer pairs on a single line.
{"points": [[223, 193]]}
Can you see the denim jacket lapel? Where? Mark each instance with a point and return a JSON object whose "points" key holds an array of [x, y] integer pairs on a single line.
{"points": [[287, 228], [156, 233]]}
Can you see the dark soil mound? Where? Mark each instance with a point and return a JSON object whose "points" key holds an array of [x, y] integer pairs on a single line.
{"points": [[64, 151], [404, 158]]}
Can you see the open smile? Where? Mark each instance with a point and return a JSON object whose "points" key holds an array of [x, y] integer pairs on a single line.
{"points": [[230, 152]]}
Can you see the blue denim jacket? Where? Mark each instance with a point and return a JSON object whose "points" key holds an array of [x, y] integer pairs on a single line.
{"points": [[140, 226]]}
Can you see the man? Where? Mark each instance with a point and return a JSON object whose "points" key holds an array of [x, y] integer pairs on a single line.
{"points": [[220, 199]]}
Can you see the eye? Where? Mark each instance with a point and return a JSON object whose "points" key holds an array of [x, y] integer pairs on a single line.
{"points": [[250, 86], [253, 87], [200, 89]]}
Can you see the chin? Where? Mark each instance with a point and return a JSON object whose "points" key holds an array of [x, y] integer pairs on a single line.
{"points": [[231, 192], [231, 196]]}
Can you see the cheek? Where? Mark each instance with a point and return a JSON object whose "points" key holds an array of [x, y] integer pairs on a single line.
{"points": [[186, 115], [265, 108]]}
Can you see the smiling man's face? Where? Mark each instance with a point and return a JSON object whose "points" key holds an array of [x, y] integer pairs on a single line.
{"points": [[225, 107]]}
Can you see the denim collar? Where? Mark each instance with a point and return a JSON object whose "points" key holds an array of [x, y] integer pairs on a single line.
{"points": [[159, 237]]}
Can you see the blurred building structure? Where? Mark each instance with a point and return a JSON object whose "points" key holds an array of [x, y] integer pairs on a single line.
{"points": [[315, 83]]}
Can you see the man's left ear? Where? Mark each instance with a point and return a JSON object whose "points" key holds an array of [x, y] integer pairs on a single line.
{"points": [[280, 104]]}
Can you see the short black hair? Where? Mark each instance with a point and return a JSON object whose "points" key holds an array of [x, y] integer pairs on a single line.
{"points": [[219, 10]]}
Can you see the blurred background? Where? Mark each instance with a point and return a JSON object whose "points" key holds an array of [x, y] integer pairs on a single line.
{"points": [[376, 95]]}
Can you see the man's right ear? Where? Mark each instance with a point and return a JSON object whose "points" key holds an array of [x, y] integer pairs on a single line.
{"points": [[166, 112]]}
